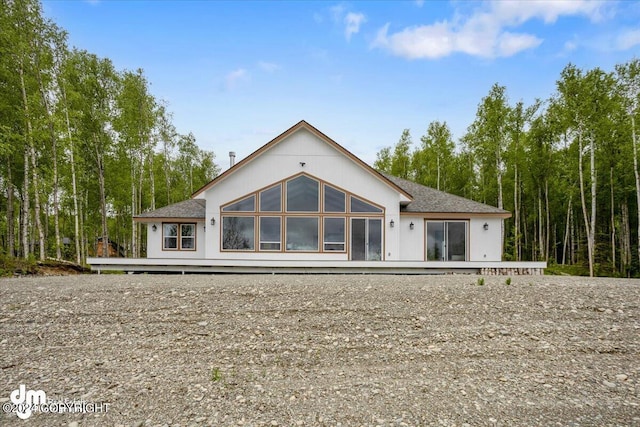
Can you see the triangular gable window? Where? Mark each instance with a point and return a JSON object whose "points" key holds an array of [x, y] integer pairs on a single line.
{"points": [[248, 204], [358, 205]]}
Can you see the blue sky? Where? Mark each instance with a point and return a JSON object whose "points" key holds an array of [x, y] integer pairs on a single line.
{"points": [[239, 73]]}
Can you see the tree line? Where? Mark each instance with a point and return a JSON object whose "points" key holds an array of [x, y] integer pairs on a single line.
{"points": [[84, 147], [566, 167]]}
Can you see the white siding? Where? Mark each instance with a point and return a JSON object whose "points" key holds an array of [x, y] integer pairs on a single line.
{"points": [[284, 160], [485, 245], [412, 246]]}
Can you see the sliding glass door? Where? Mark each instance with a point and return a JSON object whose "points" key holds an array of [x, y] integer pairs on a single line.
{"points": [[446, 240], [366, 239]]}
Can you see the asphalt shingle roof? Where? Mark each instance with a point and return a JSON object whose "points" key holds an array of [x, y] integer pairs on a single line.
{"points": [[428, 200], [192, 208]]}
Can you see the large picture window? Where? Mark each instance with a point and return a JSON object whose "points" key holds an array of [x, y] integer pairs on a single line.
{"points": [[446, 240], [302, 233], [238, 233], [179, 237], [297, 214]]}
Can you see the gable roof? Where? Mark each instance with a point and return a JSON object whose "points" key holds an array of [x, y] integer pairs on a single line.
{"points": [[295, 128], [189, 209], [430, 200]]}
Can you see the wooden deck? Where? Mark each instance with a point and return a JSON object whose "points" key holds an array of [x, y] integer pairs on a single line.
{"points": [[203, 266]]}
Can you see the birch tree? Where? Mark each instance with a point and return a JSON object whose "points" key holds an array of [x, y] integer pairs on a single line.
{"points": [[628, 76]]}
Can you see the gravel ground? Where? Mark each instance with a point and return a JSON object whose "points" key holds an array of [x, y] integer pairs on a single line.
{"points": [[321, 350]]}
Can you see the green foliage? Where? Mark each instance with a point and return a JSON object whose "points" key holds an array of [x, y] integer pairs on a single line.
{"points": [[77, 127], [10, 266], [508, 281], [480, 281], [216, 375], [566, 270], [383, 160], [565, 167], [401, 160]]}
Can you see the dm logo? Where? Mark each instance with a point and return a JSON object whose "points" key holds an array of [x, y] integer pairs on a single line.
{"points": [[26, 400]]}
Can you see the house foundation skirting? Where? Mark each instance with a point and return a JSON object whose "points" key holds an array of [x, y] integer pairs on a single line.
{"points": [[243, 266], [526, 271]]}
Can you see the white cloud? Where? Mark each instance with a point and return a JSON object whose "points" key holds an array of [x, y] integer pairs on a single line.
{"points": [[484, 33], [269, 67], [509, 44], [352, 23], [628, 39], [337, 12], [570, 45], [419, 3], [235, 77], [517, 12]]}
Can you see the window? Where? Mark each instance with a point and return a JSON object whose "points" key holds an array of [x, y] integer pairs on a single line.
{"points": [[334, 234], [334, 200], [299, 213], [170, 233], [446, 241], [179, 237], [302, 194], [248, 204], [238, 232], [188, 237], [270, 233], [271, 199], [358, 205], [302, 233]]}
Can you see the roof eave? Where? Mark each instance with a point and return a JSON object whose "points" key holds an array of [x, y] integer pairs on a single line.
{"points": [[145, 219], [457, 215]]}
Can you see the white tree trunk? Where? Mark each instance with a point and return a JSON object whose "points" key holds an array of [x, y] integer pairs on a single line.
{"points": [[636, 172], [587, 222]]}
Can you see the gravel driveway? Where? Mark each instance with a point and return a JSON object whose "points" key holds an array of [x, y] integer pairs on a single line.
{"points": [[323, 350]]}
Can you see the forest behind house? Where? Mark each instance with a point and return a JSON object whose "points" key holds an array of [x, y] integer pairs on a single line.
{"points": [[86, 147]]}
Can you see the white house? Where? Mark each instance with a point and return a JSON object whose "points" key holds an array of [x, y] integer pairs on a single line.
{"points": [[302, 202]]}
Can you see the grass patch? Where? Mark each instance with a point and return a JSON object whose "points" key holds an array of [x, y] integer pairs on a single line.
{"points": [[12, 266], [216, 375], [566, 270]]}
